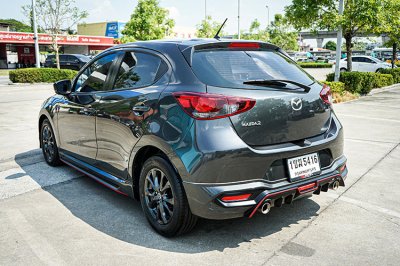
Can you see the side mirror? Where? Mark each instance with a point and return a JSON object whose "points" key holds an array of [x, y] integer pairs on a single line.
{"points": [[63, 87]]}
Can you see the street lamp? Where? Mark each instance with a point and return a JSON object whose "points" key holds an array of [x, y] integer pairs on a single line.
{"points": [[205, 10], [268, 15], [239, 19], [35, 34]]}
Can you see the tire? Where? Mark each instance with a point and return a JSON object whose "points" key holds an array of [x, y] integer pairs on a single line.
{"points": [[49, 144], [164, 195], [379, 70], [343, 70]]}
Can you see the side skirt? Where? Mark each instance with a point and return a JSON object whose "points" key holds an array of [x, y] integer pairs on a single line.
{"points": [[112, 182]]}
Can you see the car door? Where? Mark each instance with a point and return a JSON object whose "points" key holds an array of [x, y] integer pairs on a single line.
{"points": [[355, 63], [127, 111], [76, 116], [369, 65]]}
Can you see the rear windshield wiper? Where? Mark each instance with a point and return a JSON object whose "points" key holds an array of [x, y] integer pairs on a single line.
{"points": [[276, 83]]}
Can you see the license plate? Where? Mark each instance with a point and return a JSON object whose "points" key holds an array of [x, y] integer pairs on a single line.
{"points": [[303, 166]]}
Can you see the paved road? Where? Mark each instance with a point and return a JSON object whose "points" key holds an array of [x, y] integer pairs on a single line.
{"points": [[55, 216]]}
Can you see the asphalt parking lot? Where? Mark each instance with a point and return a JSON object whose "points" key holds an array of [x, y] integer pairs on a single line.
{"points": [[57, 216]]}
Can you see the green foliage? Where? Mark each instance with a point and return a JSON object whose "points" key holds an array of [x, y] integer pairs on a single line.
{"points": [[33, 75], [282, 34], [330, 45], [395, 72], [359, 16], [208, 28], [363, 82], [383, 80], [255, 33], [337, 87], [314, 65], [148, 21], [16, 25]]}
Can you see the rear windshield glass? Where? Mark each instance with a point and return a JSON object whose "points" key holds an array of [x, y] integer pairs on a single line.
{"points": [[223, 68]]}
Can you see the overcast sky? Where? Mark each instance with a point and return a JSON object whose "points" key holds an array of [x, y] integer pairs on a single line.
{"points": [[187, 13]]}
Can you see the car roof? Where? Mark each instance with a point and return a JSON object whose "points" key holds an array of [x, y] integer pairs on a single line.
{"points": [[183, 43]]}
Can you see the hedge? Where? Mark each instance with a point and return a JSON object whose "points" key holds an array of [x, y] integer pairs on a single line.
{"points": [[315, 65], [337, 87], [362, 82], [33, 75], [395, 72]]}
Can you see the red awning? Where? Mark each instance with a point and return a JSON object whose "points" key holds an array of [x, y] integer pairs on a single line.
{"points": [[27, 38]]}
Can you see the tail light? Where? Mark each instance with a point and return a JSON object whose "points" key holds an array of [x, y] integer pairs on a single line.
{"points": [[326, 94], [207, 106]]}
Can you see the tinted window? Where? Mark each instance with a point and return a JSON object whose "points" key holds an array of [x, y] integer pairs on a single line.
{"points": [[232, 68], [63, 58], [138, 70], [95, 76], [71, 58], [356, 59]]}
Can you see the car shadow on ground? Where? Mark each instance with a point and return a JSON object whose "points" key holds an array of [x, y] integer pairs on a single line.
{"points": [[121, 217]]}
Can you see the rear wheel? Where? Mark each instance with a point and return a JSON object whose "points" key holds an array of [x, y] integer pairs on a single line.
{"points": [[343, 70], [49, 145], [379, 70], [163, 198]]}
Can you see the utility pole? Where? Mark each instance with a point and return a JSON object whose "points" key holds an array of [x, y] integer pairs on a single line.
{"points": [[205, 10], [268, 15], [239, 19], [35, 34], [339, 44]]}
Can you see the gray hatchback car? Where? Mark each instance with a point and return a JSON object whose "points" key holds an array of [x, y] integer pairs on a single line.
{"points": [[199, 128]]}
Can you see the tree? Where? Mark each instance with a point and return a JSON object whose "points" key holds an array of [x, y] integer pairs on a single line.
{"points": [[148, 21], [359, 16], [281, 34], [255, 33], [208, 28], [330, 45], [390, 25], [16, 25], [54, 17]]}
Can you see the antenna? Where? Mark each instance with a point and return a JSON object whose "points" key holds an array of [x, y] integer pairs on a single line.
{"points": [[216, 35]]}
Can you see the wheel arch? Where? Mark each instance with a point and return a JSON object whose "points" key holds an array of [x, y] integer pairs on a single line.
{"points": [[147, 148], [43, 116]]}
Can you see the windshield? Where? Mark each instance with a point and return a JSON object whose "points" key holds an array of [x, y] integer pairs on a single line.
{"points": [[232, 68]]}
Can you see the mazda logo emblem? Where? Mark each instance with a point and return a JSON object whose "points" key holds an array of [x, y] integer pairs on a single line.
{"points": [[296, 104]]}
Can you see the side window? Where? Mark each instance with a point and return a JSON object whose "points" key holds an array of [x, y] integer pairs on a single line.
{"points": [[94, 77], [139, 70], [356, 59]]}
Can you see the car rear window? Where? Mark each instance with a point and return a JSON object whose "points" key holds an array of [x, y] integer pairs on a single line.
{"points": [[227, 68]]}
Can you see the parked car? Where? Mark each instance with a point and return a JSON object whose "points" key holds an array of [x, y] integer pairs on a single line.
{"points": [[196, 128], [67, 61], [362, 63]]}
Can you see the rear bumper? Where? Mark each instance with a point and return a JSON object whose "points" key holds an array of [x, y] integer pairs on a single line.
{"points": [[205, 199]]}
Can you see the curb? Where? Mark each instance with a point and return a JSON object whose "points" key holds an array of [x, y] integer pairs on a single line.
{"points": [[388, 88]]}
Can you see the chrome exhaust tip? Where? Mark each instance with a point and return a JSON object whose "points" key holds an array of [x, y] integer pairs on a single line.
{"points": [[265, 207], [335, 185]]}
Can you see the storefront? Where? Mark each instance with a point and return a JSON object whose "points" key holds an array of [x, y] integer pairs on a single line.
{"points": [[17, 48]]}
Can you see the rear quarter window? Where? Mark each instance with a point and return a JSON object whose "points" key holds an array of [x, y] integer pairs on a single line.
{"points": [[227, 68]]}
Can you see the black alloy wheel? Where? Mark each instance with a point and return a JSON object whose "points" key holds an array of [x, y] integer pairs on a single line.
{"points": [[163, 198], [49, 145]]}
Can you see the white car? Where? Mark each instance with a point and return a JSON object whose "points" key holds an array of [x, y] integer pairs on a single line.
{"points": [[362, 63]]}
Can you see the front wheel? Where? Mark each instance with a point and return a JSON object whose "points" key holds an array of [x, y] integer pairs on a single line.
{"points": [[49, 145], [163, 198]]}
